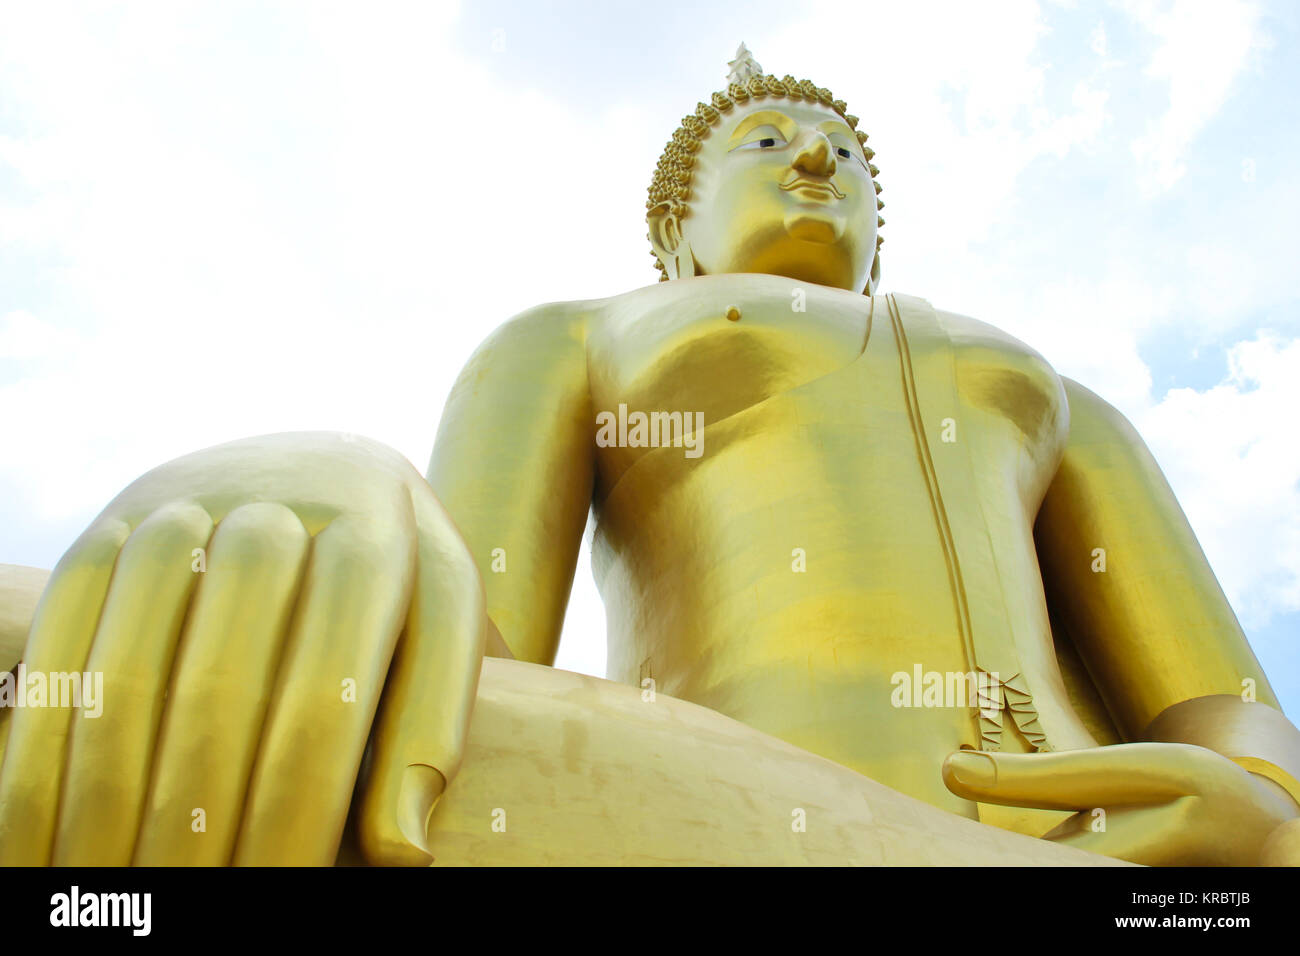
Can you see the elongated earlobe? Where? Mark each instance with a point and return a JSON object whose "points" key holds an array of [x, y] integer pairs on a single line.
{"points": [[670, 248], [683, 264]]}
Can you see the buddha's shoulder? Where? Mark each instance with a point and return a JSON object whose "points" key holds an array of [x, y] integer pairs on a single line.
{"points": [[999, 373], [972, 336], [576, 317], [980, 343], [545, 327], [983, 352], [990, 362]]}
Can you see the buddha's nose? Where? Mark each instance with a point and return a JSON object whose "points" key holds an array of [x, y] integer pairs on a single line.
{"points": [[815, 156]]}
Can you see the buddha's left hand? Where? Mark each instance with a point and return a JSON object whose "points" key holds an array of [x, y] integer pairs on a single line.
{"points": [[1164, 804]]}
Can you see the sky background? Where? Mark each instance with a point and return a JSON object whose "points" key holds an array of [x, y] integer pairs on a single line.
{"points": [[228, 219]]}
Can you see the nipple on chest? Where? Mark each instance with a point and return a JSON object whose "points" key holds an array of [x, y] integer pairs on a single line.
{"points": [[733, 314]]}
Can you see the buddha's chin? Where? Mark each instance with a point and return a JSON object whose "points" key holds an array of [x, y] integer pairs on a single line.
{"points": [[819, 263], [808, 223]]}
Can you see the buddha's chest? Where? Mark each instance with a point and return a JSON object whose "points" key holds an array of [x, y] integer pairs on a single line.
{"points": [[719, 345], [712, 347]]}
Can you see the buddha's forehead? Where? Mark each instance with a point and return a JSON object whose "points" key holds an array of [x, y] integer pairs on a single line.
{"points": [[782, 111]]}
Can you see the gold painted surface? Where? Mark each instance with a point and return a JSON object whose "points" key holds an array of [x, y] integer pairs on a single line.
{"points": [[1154, 627], [246, 617], [863, 488], [670, 783], [1257, 738]]}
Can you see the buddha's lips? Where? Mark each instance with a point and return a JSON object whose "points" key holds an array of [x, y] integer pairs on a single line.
{"points": [[825, 186]]}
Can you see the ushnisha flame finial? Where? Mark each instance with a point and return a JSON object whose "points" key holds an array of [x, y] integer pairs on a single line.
{"points": [[743, 67]]}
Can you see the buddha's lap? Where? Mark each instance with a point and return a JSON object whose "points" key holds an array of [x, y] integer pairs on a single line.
{"points": [[566, 768]]}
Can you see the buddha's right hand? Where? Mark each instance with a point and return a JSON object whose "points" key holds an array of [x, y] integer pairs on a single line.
{"points": [[247, 606]]}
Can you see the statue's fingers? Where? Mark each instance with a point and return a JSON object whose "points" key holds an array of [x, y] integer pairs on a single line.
{"points": [[351, 606], [419, 736], [1122, 774], [220, 687], [59, 642], [110, 749]]}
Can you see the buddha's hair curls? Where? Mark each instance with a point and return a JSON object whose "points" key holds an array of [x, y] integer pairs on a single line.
{"points": [[670, 190]]}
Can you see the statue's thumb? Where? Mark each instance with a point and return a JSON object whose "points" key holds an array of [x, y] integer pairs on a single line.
{"points": [[420, 730]]}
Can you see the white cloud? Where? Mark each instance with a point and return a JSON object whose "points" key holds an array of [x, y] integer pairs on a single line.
{"points": [[25, 338], [1202, 48], [1232, 454], [1097, 40]]}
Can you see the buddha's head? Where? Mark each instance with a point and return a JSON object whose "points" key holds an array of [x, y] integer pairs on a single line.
{"points": [[770, 176]]}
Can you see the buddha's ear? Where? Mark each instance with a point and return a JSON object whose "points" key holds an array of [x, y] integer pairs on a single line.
{"points": [[666, 240]]}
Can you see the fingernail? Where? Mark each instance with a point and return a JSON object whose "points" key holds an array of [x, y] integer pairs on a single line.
{"points": [[421, 787], [973, 769]]}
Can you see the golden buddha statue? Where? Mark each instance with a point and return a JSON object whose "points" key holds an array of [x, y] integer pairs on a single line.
{"points": [[882, 587]]}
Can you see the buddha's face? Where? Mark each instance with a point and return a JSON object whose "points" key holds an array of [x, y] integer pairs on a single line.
{"points": [[781, 188]]}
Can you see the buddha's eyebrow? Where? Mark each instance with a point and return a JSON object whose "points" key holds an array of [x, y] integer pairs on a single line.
{"points": [[775, 118], [834, 126]]}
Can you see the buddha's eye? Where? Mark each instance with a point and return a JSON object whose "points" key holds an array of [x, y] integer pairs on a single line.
{"points": [[766, 137], [843, 153]]}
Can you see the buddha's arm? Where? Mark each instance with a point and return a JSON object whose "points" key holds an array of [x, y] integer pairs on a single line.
{"points": [[513, 465], [1154, 627]]}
